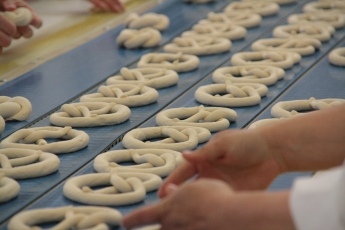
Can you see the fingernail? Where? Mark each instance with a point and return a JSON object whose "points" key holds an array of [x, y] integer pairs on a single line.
{"points": [[171, 188]]}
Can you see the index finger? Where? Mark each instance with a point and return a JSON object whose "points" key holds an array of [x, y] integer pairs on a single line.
{"points": [[178, 176], [143, 216]]}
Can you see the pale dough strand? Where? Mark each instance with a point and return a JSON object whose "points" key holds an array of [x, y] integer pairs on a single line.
{"points": [[267, 75], [262, 8], [33, 138], [157, 21], [212, 118], [121, 188], [330, 7], [90, 114], [176, 138], [337, 56], [26, 163], [2, 124], [335, 20], [280, 59], [15, 108], [142, 38], [263, 122], [22, 16], [304, 45], [178, 62], [198, 45], [231, 94], [125, 94], [67, 217], [156, 161], [152, 77], [199, 1], [245, 19], [9, 188], [280, 2]]}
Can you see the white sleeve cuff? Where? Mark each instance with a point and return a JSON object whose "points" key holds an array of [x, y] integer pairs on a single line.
{"points": [[318, 203]]}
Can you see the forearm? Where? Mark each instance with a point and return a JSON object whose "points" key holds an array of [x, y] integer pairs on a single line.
{"points": [[308, 142], [261, 211]]}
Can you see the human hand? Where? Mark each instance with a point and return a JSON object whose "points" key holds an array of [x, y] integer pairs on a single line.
{"points": [[240, 158], [9, 30], [212, 204], [108, 5]]}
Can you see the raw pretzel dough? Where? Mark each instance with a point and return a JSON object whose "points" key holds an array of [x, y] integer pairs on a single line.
{"points": [[22, 16], [337, 56], [26, 163], [125, 94], [9, 188], [291, 108], [335, 20], [304, 45], [156, 161], [263, 122], [231, 94], [177, 138], [156, 21], [212, 118], [152, 77], [245, 19], [145, 37], [68, 217], [199, 1], [90, 114], [267, 75], [280, 59], [2, 124], [15, 108], [260, 7], [179, 62], [125, 188], [218, 30], [198, 45], [280, 2], [321, 32], [330, 7], [32, 138]]}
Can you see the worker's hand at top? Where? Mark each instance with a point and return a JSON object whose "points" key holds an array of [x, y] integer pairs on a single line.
{"points": [[108, 5], [238, 157], [8, 30]]}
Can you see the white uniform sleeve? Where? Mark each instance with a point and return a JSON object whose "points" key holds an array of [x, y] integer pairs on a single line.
{"points": [[318, 203]]}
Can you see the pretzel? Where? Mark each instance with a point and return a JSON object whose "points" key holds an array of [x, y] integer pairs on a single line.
{"points": [[67, 217], [156, 161], [125, 188], [33, 138], [198, 1], [90, 114], [124, 94], [26, 163], [280, 2], [330, 7], [321, 32], [145, 37], [245, 19], [9, 188], [15, 108], [267, 75], [152, 77], [231, 94], [291, 108], [304, 45], [153, 20], [22, 16], [212, 118], [261, 7], [200, 45], [178, 62], [218, 30], [2, 124], [335, 20], [280, 59], [176, 138], [263, 122], [337, 56]]}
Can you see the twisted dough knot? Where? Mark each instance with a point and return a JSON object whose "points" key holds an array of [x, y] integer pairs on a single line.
{"points": [[16, 108], [146, 37], [325, 6], [84, 111], [9, 188], [37, 136], [324, 104], [156, 21], [245, 19], [199, 1], [9, 163], [67, 217], [22, 16], [140, 75], [114, 91], [236, 91], [335, 20], [337, 56], [262, 8]]}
